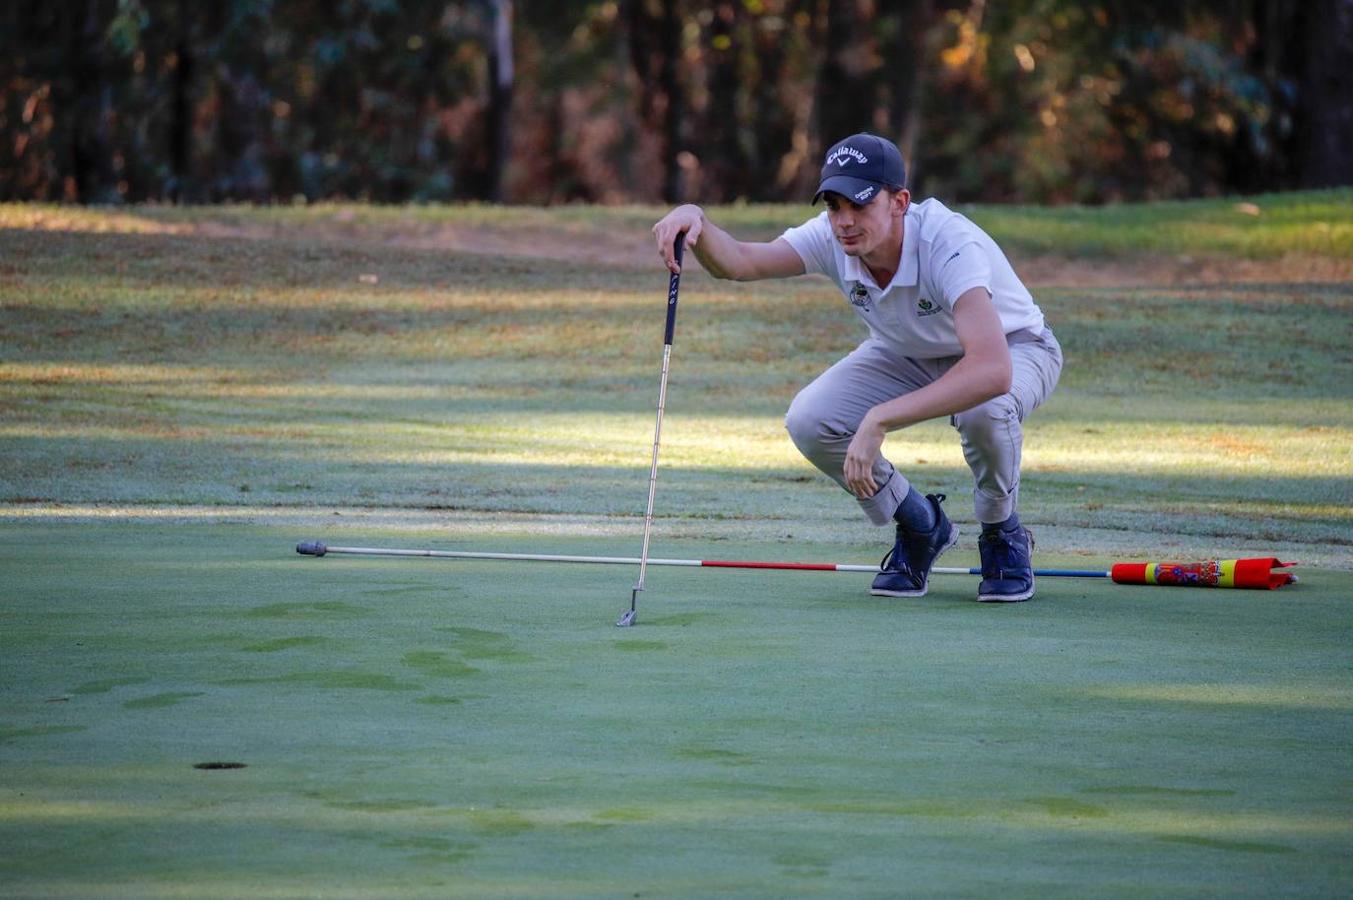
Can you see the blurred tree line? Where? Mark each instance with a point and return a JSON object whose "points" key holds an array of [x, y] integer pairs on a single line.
{"points": [[105, 101]]}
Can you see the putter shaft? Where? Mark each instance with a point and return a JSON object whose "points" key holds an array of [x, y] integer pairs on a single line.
{"points": [[673, 284], [653, 469]]}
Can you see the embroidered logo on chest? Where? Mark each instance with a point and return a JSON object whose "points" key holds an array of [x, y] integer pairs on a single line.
{"points": [[859, 296], [925, 307]]}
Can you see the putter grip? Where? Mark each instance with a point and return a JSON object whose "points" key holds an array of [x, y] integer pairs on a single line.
{"points": [[311, 548], [673, 283]]}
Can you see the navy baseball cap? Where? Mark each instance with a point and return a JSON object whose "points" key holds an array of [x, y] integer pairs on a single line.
{"points": [[861, 166]]}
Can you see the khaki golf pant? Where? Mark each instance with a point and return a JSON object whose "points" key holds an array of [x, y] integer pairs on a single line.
{"points": [[825, 414]]}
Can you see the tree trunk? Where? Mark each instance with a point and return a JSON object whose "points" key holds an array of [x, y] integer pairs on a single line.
{"points": [[89, 174], [723, 162], [241, 169], [655, 43], [1326, 128], [671, 123], [848, 77], [501, 78], [181, 127], [773, 119], [909, 57]]}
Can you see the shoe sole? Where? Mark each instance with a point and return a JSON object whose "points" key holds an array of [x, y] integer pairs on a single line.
{"points": [[1008, 598], [953, 539]]}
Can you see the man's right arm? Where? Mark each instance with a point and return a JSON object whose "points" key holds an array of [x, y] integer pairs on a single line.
{"points": [[722, 255]]}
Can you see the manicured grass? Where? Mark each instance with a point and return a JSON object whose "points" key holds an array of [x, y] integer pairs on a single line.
{"points": [[1316, 223], [425, 728], [183, 368], [185, 394]]}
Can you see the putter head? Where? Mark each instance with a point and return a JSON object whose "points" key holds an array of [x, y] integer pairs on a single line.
{"points": [[627, 619]]}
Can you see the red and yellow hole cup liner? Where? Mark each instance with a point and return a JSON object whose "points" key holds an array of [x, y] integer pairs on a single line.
{"points": [[1217, 573]]}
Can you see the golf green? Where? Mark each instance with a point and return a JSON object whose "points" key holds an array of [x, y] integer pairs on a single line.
{"points": [[419, 727]]}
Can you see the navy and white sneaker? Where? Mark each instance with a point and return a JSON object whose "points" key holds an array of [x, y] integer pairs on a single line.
{"points": [[1007, 566], [906, 568]]}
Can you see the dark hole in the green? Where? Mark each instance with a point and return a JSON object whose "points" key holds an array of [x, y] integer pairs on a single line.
{"points": [[219, 765]]}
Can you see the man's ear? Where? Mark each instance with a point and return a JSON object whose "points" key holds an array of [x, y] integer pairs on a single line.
{"points": [[901, 200]]}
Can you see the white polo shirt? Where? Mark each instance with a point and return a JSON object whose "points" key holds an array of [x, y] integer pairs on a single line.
{"points": [[943, 256]]}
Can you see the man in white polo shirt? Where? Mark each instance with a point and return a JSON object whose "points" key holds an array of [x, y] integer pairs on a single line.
{"points": [[952, 332]]}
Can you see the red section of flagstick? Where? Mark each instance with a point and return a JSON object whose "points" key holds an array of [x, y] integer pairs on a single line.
{"points": [[735, 564], [1128, 573], [1257, 573]]}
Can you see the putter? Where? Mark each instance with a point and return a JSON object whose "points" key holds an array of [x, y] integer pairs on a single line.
{"points": [[673, 283]]}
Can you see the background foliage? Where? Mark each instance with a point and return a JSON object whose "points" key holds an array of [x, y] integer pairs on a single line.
{"points": [[659, 100]]}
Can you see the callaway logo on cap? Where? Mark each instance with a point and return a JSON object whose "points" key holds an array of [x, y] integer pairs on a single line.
{"points": [[861, 166], [842, 155]]}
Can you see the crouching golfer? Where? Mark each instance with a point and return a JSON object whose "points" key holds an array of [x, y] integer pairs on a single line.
{"points": [[952, 332]]}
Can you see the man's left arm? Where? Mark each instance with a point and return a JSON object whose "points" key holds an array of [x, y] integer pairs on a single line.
{"points": [[983, 372]]}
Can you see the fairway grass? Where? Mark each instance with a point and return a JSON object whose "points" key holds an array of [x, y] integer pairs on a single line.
{"points": [[186, 394]]}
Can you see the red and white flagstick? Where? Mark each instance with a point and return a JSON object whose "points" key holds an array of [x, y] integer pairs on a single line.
{"points": [[1265, 573], [318, 548]]}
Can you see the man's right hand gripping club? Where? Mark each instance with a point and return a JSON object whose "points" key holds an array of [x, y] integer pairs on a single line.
{"points": [[722, 255]]}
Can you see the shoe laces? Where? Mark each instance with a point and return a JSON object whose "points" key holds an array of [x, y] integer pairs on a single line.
{"points": [[894, 561], [1004, 551]]}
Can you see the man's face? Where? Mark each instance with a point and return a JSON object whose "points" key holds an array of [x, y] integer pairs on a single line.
{"points": [[863, 229]]}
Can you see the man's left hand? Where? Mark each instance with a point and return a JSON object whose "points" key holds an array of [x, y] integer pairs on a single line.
{"points": [[860, 455]]}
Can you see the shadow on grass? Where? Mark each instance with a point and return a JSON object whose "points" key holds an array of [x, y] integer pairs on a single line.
{"points": [[1285, 508]]}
